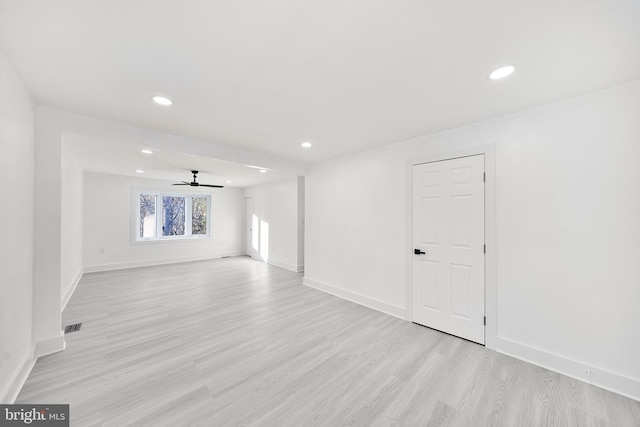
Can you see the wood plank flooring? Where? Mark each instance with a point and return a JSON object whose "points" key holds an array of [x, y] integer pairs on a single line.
{"points": [[235, 342]]}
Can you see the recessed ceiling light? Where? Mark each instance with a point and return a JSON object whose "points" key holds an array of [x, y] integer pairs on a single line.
{"points": [[146, 151], [139, 171], [263, 171], [502, 72], [162, 100], [228, 181], [306, 144]]}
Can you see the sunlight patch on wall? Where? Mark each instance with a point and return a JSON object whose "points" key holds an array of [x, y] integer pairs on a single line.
{"points": [[264, 240]]}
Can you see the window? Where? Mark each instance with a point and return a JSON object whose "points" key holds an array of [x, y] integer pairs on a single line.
{"points": [[172, 216]]}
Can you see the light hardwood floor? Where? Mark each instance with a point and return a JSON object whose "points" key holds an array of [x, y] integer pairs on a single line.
{"points": [[237, 342]]}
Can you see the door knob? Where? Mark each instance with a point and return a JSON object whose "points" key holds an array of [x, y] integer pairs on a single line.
{"points": [[418, 252]]}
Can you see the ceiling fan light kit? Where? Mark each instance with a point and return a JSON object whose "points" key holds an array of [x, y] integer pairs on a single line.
{"points": [[194, 183]]}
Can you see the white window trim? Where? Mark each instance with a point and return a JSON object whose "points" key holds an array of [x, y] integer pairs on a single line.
{"points": [[159, 238]]}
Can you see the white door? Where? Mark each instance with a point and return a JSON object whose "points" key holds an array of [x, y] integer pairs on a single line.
{"points": [[248, 228], [448, 242]]}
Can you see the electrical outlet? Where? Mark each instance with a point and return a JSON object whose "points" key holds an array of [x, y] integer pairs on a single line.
{"points": [[101, 250]]}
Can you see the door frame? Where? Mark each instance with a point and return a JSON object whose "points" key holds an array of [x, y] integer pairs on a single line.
{"points": [[490, 272]]}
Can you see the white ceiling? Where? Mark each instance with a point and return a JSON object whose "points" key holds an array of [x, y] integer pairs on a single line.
{"points": [[263, 76], [117, 157]]}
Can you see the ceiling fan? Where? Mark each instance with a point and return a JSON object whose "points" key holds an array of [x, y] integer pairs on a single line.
{"points": [[196, 184]]}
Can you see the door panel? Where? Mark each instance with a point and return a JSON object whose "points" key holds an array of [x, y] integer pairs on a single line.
{"points": [[430, 294], [448, 225], [430, 223], [460, 290]]}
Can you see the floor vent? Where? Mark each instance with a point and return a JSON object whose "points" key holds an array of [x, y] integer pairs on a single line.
{"points": [[72, 328]]}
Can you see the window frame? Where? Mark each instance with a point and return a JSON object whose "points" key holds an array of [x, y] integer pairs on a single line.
{"points": [[188, 217]]}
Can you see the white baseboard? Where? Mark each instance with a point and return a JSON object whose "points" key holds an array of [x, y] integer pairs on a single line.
{"points": [[290, 267], [67, 296], [152, 262], [607, 380], [9, 393], [50, 346], [357, 298]]}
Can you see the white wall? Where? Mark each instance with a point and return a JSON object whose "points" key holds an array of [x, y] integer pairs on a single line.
{"points": [[47, 294], [71, 224], [17, 114], [567, 212], [279, 207], [109, 212], [355, 227]]}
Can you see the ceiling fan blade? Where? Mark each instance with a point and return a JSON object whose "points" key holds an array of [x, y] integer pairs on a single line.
{"points": [[197, 184]]}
